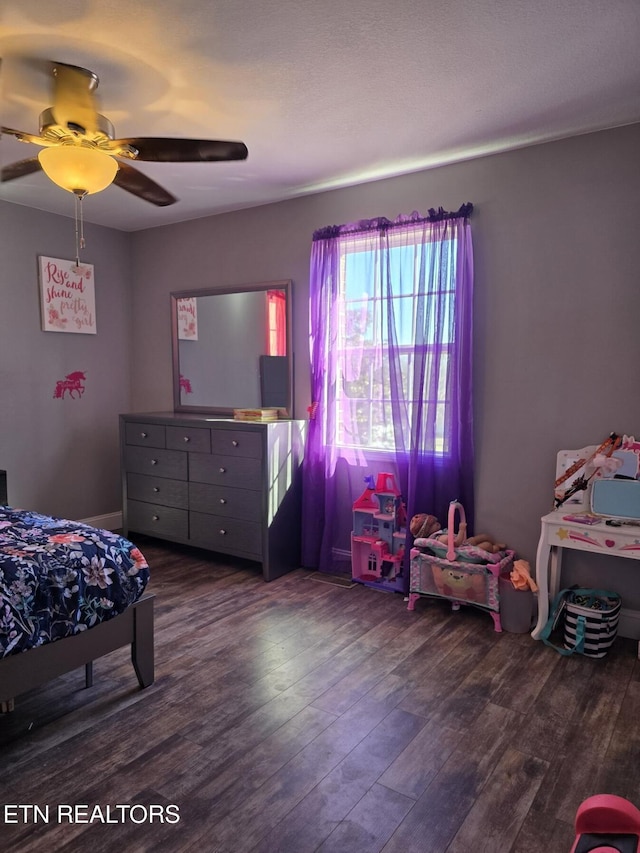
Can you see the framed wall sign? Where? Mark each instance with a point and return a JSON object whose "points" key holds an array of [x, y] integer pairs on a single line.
{"points": [[67, 296]]}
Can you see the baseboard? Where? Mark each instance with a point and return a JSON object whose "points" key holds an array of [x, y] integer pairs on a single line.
{"points": [[629, 624], [111, 521]]}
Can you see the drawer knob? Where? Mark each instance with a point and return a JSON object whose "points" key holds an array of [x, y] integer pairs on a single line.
{"points": [[223, 532], [235, 443], [155, 517], [144, 435], [156, 489], [222, 501], [223, 470], [154, 461], [186, 438]]}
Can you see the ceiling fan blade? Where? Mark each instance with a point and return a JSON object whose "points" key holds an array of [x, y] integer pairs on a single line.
{"points": [[163, 150], [23, 137], [73, 97], [133, 181], [20, 168]]}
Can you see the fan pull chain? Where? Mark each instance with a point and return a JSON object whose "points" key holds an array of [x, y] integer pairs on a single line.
{"points": [[79, 222]]}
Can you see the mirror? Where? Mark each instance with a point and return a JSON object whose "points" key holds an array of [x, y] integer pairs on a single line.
{"points": [[232, 349]]}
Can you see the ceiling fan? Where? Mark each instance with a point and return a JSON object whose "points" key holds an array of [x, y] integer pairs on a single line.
{"points": [[79, 144]]}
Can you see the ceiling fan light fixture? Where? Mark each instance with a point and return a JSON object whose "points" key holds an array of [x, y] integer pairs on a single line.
{"points": [[78, 169]]}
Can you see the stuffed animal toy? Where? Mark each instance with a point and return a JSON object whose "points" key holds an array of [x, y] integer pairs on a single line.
{"points": [[485, 543], [423, 526]]}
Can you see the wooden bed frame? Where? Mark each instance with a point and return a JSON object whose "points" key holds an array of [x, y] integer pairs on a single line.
{"points": [[26, 670]]}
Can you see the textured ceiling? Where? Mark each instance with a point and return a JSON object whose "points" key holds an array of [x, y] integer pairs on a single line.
{"points": [[325, 94]]}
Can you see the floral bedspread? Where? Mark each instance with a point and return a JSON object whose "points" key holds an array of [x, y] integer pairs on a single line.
{"points": [[59, 577]]}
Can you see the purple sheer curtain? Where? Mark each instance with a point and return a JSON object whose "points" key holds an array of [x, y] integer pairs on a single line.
{"points": [[390, 320]]}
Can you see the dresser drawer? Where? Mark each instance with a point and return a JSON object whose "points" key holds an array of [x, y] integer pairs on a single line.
{"points": [[238, 472], [189, 438], [233, 487], [158, 520], [157, 490], [236, 442], [160, 463], [228, 535], [226, 501], [149, 435]]}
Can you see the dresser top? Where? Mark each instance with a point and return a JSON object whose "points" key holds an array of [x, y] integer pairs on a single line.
{"points": [[196, 419]]}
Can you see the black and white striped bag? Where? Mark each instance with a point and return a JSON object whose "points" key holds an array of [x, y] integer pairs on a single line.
{"points": [[591, 619]]}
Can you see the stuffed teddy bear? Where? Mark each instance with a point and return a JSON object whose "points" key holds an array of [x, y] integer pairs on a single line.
{"points": [[485, 543]]}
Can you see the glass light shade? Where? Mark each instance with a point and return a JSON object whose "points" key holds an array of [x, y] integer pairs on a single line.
{"points": [[78, 170]]}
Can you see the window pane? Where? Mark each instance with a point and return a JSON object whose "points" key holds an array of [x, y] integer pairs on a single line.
{"points": [[416, 310]]}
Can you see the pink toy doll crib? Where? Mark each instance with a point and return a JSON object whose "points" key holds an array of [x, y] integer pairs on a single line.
{"points": [[463, 574]]}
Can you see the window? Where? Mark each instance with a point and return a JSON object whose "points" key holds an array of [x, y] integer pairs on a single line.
{"points": [[395, 324], [276, 322], [390, 323]]}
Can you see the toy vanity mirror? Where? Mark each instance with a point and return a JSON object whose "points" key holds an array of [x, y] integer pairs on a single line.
{"points": [[232, 349]]}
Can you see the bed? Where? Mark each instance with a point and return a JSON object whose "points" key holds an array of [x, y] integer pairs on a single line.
{"points": [[69, 593]]}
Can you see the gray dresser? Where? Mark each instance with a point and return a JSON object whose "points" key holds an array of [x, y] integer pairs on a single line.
{"points": [[224, 485]]}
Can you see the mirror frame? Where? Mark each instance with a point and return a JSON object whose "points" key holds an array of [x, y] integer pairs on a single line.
{"points": [[217, 291]]}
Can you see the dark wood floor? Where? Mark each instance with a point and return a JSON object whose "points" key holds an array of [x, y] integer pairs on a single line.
{"points": [[300, 716]]}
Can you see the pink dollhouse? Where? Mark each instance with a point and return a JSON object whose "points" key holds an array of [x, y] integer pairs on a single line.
{"points": [[379, 534]]}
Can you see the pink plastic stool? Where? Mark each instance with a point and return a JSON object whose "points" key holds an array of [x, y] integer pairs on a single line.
{"points": [[607, 824]]}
